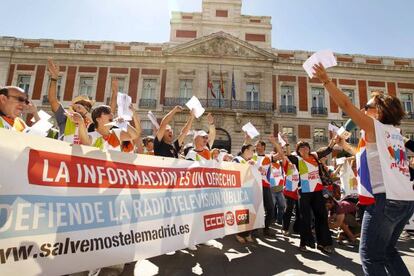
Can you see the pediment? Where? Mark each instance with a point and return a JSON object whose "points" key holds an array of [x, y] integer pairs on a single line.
{"points": [[220, 45]]}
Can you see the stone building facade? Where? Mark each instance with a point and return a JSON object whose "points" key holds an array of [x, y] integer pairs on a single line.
{"points": [[272, 91]]}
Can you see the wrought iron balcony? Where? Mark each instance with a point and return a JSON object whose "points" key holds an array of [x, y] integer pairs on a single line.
{"points": [[146, 132], [223, 103], [320, 139], [175, 101], [147, 103], [45, 99], [319, 111], [215, 103], [252, 106], [287, 109]]}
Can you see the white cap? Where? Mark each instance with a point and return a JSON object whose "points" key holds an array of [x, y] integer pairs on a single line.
{"points": [[201, 133]]}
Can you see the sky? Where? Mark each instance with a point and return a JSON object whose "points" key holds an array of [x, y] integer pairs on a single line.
{"points": [[370, 27]]}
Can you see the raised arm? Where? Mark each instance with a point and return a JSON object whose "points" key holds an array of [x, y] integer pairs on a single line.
{"points": [[132, 133], [186, 129], [211, 130], [166, 120], [363, 121], [114, 94], [52, 93]]}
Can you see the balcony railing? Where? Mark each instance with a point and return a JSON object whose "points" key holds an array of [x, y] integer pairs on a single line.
{"points": [[320, 139], [287, 109], [45, 99], [254, 106], [222, 103], [146, 132], [319, 111], [147, 103]]}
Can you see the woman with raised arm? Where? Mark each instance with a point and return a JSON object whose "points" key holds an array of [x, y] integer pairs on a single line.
{"points": [[383, 171]]}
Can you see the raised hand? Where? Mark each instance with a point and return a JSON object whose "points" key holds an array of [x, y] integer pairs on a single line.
{"points": [[210, 119], [320, 73], [31, 108], [178, 109], [75, 117], [52, 68]]}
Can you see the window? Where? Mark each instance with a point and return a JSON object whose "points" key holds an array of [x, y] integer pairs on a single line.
{"points": [[319, 132], [287, 93], [407, 101], [252, 92], [217, 89], [287, 130], [86, 86], [146, 127], [186, 89], [23, 81], [148, 89], [350, 94], [318, 97]]}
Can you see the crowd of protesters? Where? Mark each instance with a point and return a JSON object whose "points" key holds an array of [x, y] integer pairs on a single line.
{"points": [[301, 192]]}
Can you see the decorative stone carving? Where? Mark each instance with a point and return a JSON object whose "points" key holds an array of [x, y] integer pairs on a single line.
{"points": [[187, 73], [220, 46], [253, 75]]}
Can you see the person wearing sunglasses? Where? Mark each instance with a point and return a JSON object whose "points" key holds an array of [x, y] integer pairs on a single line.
{"points": [[384, 182], [13, 102]]}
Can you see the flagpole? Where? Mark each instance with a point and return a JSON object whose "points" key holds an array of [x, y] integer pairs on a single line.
{"points": [[208, 79]]}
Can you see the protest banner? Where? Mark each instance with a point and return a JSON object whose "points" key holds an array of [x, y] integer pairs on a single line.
{"points": [[65, 209]]}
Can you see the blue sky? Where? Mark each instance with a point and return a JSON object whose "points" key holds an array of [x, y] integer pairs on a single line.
{"points": [[372, 27]]}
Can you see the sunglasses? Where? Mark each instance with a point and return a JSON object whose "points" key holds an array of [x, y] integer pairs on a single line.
{"points": [[20, 99], [369, 106]]}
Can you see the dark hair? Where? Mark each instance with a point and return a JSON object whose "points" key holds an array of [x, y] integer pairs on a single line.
{"points": [[301, 144], [390, 109], [98, 111], [244, 148], [147, 139], [261, 142], [4, 91]]}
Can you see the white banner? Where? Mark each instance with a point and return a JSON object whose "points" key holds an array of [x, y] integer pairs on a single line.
{"points": [[67, 209]]}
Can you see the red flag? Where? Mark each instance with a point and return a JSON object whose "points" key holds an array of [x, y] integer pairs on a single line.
{"points": [[210, 85], [221, 84]]}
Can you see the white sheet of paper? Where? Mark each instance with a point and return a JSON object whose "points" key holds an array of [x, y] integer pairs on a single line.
{"points": [[340, 161], [333, 128], [40, 128], [326, 57], [153, 119], [43, 116], [124, 101], [343, 133], [121, 125], [250, 130], [195, 104], [281, 141]]}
